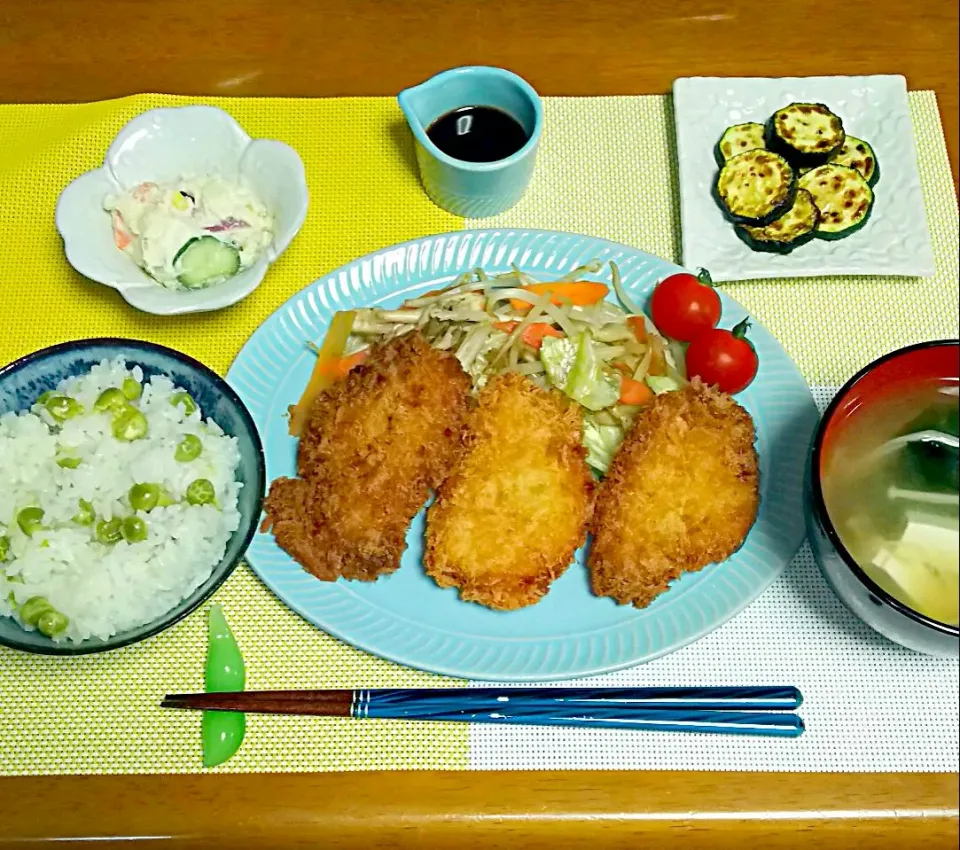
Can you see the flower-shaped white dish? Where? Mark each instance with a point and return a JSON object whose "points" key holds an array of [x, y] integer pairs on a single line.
{"points": [[164, 145], [895, 241]]}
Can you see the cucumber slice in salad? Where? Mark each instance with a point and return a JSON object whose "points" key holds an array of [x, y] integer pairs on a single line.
{"points": [[206, 259]]}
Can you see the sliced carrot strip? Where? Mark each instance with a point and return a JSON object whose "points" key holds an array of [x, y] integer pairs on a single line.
{"points": [[337, 370], [634, 392], [639, 327], [581, 293], [331, 350], [142, 192], [121, 236], [533, 333]]}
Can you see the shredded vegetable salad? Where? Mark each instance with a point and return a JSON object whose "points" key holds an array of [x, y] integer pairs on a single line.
{"points": [[564, 333]]}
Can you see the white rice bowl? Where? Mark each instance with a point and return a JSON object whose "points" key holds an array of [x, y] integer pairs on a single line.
{"points": [[106, 589]]}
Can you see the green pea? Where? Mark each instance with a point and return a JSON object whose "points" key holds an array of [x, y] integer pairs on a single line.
{"points": [[69, 461], [133, 529], [62, 407], [34, 608], [131, 389], [52, 622], [185, 400], [110, 399], [85, 514], [201, 492], [4, 548], [190, 448], [165, 499], [129, 425], [30, 520], [144, 497], [11, 596], [108, 531], [43, 398]]}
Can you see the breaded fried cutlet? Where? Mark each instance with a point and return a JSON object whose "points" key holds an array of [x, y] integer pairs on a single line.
{"points": [[373, 447], [682, 492], [516, 507]]}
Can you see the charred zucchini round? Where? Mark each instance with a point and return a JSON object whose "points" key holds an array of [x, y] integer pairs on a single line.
{"points": [[843, 197], [755, 187], [739, 138], [858, 154], [796, 227], [805, 134]]}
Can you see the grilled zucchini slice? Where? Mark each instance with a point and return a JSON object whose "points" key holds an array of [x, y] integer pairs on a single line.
{"points": [[805, 134], [739, 138], [858, 154], [755, 187], [843, 197], [796, 227]]}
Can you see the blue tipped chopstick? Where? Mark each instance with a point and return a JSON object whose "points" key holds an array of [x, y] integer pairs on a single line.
{"points": [[755, 698], [720, 710]]}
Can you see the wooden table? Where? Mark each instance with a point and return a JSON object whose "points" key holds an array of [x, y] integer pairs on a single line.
{"points": [[70, 50]]}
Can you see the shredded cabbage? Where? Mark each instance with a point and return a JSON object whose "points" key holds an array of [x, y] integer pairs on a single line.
{"points": [[662, 384], [588, 382], [557, 356], [601, 443]]}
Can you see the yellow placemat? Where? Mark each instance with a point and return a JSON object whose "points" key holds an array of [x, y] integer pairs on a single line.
{"points": [[98, 714]]}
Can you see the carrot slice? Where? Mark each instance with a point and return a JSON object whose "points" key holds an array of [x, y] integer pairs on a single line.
{"points": [[638, 326], [581, 293], [533, 333], [121, 236], [634, 392], [330, 352], [337, 370]]}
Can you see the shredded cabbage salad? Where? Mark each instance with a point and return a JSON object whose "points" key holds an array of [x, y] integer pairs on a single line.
{"points": [[607, 357]]}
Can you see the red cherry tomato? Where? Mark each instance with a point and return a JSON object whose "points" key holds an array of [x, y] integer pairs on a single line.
{"points": [[725, 359], [684, 306]]}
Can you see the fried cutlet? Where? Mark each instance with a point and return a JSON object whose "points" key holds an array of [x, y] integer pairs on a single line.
{"points": [[514, 510], [373, 447], [682, 492]]}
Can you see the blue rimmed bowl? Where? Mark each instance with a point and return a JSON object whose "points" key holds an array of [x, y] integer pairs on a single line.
{"points": [[25, 379]]}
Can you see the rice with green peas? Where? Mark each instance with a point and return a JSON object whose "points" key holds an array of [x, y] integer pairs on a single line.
{"points": [[92, 564]]}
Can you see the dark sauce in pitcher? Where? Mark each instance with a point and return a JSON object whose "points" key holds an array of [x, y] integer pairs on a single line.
{"points": [[478, 134]]}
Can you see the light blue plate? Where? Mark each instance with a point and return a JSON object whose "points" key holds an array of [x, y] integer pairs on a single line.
{"points": [[405, 617]]}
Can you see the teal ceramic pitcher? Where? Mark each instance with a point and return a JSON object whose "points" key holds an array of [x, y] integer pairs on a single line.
{"points": [[473, 189]]}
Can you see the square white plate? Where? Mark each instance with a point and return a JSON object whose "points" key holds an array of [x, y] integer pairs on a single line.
{"points": [[895, 241]]}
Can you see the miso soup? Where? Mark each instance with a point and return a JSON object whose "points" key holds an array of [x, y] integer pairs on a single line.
{"points": [[891, 486]]}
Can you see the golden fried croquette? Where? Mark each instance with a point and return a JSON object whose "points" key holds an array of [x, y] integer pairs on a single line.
{"points": [[373, 447], [516, 507], [682, 492]]}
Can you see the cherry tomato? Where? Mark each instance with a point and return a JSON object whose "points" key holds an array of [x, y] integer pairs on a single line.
{"points": [[722, 358], [684, 305]]}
